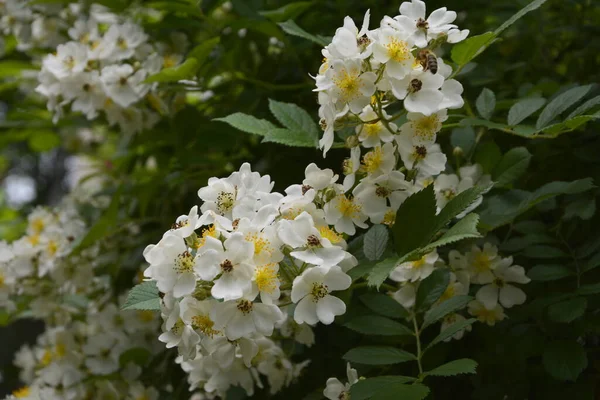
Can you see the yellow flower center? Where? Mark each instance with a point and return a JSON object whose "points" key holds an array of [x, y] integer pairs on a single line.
{"points": [[52, 247], [319, 290], [170, 60], [46, 358], [389, 218], [419, 263], [329, 234], [266, 278], [292, 213], [448, 293], [206, 232], [260, 243], [487, 316], [22, 392], [34, 239], [482, 263], [37, 225], [225, 201], [426, 127], [372, 130], [184, 262], [122, 43], [373, 159], [398, 50], [347, 207], [69, 62], [204, 324], [348, 84]]}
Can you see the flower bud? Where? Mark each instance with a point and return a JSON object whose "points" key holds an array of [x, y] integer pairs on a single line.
{"points": [[352, 141]]}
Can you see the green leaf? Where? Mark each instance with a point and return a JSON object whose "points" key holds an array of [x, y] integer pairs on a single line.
{"points": [[530, 7], [466, 228], [568, 310], [185, 70], [456, 367], [378, 355], [565, 360], [586, 290], [486, 103], [43, 140], [444, 308], [102, 226], [384, 305], [584, 107], [543, 252], [136, 355], [458, 204], [552, 272], [203, 50], [376, 325], [523, 109], [289, 11], [512, 166], [418, 213], [375, 242], [289, 138], [144, 296], [560, 104], [294, 118], [463, 137], [468, 49], [451, 331], [388, 388], [248, 123], [172, 6], [488, 155], [381, 270], [291, 28], [583, 208], [432, 288], [13, 68]]}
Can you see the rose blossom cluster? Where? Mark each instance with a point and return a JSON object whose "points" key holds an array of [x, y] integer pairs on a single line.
{"points": [[230, 272], [87, 357], [102, 70]]}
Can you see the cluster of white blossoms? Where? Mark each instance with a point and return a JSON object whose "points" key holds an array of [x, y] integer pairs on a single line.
{"points": [[87, 358], [231, 274], [39, 266], [102, 70]]}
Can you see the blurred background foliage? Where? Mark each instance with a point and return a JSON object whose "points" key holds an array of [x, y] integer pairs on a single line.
{"points": [[158, 172]]}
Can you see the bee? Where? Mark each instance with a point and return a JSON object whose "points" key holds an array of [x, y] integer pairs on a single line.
{"points": [[428, 61]]}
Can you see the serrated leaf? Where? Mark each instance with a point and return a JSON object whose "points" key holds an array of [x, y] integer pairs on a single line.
{"points": [[432, 288], [451, 331], [388, 388], [294, 118], [468, 49], [415, 221], [568, 310], [381, 270], [375, 242], [446, 307], [458, 204], [560, 104], [248, 123], [486, 103], [291, 28], [550, 272], [565, 360], [384, 305], [530, 7], [378, 355], [456, 367], [376, 325], [203, 50], [144, 296], [523, 109], [512, 166], [594, 101], [185, 70], [466, 228], [289, 138], [586, 290]]}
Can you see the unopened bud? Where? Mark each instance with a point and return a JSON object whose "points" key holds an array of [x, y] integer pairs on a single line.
{"points": [[458, 151], [352, 141], [329, 194]]}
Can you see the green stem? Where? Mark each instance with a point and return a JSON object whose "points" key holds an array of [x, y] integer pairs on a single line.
{"points": [[417, 335]]}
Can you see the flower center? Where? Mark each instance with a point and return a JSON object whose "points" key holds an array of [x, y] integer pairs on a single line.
{"points": [[204, 324], [426, 127], [347, 207], [227, 266], [52, 247], [245, 306], [69, 62], [389, 218], [382, 191], [373, 159], [348, 84], [373, 129], [347, 166], [319, 290], [420, 152], [122, 43], [481, 263], [313, 241], [225, 202], [422, 24], [260, 243], [448, 193], [305, 188], [398, 50], [329, 234], [418, 264], [37, 225], [184, 262], [499, 282], [22, 392], [266, 278], [178, 327]]}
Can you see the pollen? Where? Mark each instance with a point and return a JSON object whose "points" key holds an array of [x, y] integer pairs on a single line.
{"points": [[227, 266], [499, 282], [418, 264], [318, 291], [34, 239], [398, 50], [204, 324], [245, 306], [22, 392], [69, 62], [448, 293], [482, 263], [349, 85], [206, 232], [169, 60], [184, 262], [260, 243], [329, 234], [448, 193], [373, 159], [52, 247], [266, 278], [373, 129], [426, 127], [484, 315], [225, 202], [122, 43], [37, 225], [46, 358], [419, 153], [347, 207], [389, 218]]}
